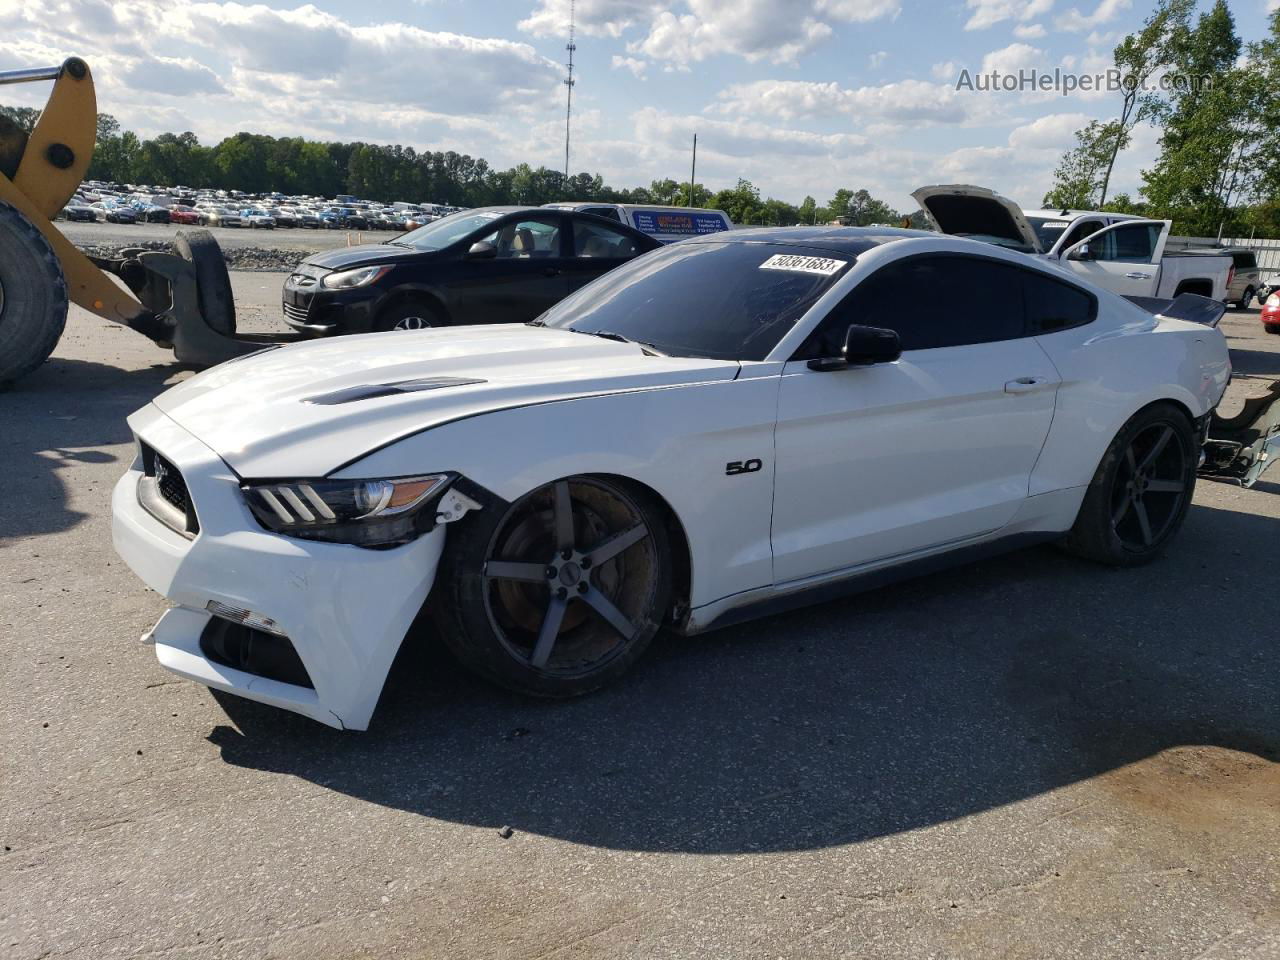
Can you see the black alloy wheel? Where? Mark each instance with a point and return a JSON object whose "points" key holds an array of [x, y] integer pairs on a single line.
{"points": [[574, 582], [1149, 489]]}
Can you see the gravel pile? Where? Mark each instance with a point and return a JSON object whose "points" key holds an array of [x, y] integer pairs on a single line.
{"points": [[254, 259]]}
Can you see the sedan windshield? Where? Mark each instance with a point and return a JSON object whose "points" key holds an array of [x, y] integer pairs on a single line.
{"points": [[726, 301], [446, 231]]}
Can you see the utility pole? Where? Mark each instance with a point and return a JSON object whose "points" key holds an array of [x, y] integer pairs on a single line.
{"points": [[693, 171], [569, 82]]}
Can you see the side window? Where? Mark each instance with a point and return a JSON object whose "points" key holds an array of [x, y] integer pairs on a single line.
{"points": [[535, 237], [930, 301], [1136, 244], [1053, 305], [1080, 231], [1244, 261], [597, 241]]}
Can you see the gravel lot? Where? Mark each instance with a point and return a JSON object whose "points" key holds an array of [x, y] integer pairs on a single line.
{"points": [[1029, 757]]}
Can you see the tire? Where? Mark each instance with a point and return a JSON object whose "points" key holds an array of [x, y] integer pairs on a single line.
{"points": [[33, 296], [1271, 328], [520, 601], [410, 315], [1141, 491], [213, 285], [1244, 301]]}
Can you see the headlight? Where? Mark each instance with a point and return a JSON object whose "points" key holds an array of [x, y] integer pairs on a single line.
{"points": [[360, 277], [1273, 300], [369, 513]]}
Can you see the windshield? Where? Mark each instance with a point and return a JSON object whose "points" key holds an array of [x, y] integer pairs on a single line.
{"points": [[1048, 230], [446, 231], [726, 301]]}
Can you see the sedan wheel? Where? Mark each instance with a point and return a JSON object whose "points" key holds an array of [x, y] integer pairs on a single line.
{"points": [[1141, 490], [414, 322], [574, 584]]}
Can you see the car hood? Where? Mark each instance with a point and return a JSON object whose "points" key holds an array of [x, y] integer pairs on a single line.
{"points": [[307, 409], [365, 253], [965, 210]]}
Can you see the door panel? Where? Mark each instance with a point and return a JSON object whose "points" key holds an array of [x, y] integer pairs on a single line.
{"points": [[880, 461], [597, 248], [526, 277], [1124, 258]]}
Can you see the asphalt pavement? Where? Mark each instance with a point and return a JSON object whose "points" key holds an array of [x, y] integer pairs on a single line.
{"points": [[1028, 757]]}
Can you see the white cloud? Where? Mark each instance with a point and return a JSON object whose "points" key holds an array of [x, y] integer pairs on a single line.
{"points": [[901, 103], [1014, 57], [987, 13], [635, 65], [946, 71], [1054, 131], [737, 138], [173, 77], [608, 18], [775, 30], [1105, 12], [877, 58], [1029, 31]]}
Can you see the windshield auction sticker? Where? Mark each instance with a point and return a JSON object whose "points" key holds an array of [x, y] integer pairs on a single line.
{"points": [[823, 266]]}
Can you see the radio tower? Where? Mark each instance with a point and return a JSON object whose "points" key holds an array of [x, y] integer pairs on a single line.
{"points": [[569, 82]]}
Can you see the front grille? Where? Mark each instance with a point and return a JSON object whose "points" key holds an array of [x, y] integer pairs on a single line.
{"points": [[163, 493], [295, 313]]}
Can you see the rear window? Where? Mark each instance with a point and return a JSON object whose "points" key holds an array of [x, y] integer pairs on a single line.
{"points": [[726, 301], [1244, 261]]}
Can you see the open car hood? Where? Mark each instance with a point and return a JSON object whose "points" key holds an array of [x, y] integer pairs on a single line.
{"points": [[962, 210]]}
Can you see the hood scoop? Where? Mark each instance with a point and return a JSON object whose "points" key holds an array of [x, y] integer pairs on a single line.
{"points": [[374, 390]]}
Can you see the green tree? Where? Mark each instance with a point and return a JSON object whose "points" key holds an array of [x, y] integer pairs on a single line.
{"points": [[1080, 174]]}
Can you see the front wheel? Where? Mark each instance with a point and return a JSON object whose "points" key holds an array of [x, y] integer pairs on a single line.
{"points": [[561, 592], [1141, 491], [410, 315]]}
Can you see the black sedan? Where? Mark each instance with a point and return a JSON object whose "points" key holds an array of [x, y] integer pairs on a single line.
{"points": [[490, 265]]}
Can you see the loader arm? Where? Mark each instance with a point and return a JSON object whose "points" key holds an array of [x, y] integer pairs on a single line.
{"points": [[50, 164]]}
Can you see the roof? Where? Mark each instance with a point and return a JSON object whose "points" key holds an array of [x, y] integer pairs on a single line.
{"points": [[847, 240], [1058, 214]]}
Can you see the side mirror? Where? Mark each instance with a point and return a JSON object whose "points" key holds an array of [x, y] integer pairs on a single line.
{"points": [[863, 346], [482, 250], [1081, 252]]}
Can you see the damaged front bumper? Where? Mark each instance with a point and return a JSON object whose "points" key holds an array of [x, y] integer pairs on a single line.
{"points": [[1241, 447], [307, 626]]}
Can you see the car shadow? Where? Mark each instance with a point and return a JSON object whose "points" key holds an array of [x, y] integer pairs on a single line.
{"points": [[909, 706], [60, 415]]}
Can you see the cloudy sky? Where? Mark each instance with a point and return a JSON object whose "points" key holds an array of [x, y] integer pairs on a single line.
{"points": [[799, 96]]}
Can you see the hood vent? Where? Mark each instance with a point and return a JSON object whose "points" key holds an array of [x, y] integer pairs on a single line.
{"points": [[374, 390]]}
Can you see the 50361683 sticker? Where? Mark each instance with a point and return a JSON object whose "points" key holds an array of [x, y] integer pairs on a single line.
{"points": [[823, 266]]}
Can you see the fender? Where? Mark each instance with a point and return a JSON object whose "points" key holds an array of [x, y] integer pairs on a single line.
{"points": [[675, 440]]}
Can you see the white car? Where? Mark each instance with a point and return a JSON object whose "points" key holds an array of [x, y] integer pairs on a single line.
{"points": [[1125, 254], [720, 428]]}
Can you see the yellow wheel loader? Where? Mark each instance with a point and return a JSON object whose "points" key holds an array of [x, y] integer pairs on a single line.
{"points": [[180, 300]]}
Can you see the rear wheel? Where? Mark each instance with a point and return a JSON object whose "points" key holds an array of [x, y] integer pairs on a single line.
{"points": [[562, 592], [1141, 491], [1245, 300], [33, 296], [213, 284]]}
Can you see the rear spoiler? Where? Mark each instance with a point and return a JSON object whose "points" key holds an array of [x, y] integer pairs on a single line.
{"points": [[1185, 306]]}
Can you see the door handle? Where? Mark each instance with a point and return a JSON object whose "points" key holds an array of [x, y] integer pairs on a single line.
{"points": [[1025, 384], [1138, 276], [550, 272]]}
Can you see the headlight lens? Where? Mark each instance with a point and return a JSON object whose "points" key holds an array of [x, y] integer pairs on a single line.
{"points": [[1273, 300], [347, 279], [369, 513]]}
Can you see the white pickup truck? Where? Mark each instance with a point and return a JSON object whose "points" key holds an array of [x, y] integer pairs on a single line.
{"points": [[1121, 253]]}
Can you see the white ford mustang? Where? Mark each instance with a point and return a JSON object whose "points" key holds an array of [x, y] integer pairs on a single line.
{"points": [[721, 428]]}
